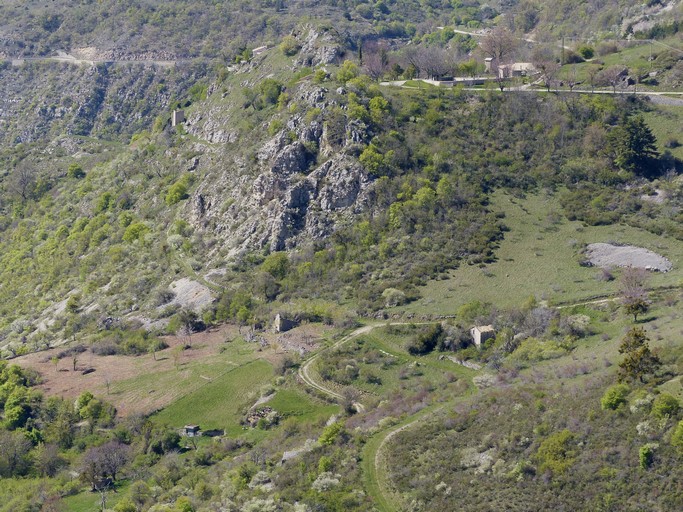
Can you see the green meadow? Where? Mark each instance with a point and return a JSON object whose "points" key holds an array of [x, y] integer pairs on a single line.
{"points": [[539, 257]]}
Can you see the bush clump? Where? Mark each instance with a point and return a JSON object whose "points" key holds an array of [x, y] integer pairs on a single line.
{"points": [[665, 405], [178, 191], [614, 397], [425, 342]]}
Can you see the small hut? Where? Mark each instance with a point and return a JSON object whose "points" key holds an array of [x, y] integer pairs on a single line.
{"points": [[481, 333]]}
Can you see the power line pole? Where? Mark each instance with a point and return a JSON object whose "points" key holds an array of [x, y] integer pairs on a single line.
{"points": [[562, 59]]}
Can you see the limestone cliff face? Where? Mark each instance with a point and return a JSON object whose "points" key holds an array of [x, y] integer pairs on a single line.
{"points": [[297, 185], [294, 191]]}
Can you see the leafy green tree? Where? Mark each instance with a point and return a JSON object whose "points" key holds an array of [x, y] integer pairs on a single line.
{"points": [[636, 306], [330, 434], [276, 264], [378, 109], [557, 453], [638, 359], [677, 437], [136, 231], [178, 191], [289, 46], [665, 405], [614, 396], [347, 71], [427, 341], [269, 91], [73, 304], [586, 51]]}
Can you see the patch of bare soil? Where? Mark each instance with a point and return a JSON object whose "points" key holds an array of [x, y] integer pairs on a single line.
{"points": [[96, 373], [608, 255]]}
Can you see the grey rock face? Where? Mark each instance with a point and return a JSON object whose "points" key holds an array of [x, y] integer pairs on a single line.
{"points": [[318, 47], [291, 159]]}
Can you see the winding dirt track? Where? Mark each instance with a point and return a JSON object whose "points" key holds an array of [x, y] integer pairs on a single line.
{"points": [[304, 370]]}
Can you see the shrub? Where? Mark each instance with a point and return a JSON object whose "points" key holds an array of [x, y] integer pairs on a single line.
{"points": [[320, 76], [607, 47], [534, 349], [330, 434], [289, 46], [614, 397], [393, 297], [178, 191], [557, 452], [586, 51], [573, 57], [275, 126], [646, 455], [665, 405], [75, 171], [677, 437], [425, 342], [135, 231], [672, 143]]}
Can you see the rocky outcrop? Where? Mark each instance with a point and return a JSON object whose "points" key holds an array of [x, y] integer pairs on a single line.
{"points": [[291, 199], [318, 46], [299, 184]]}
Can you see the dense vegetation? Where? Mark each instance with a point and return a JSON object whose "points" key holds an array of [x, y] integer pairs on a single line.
{"points": [[106, 207], [226, 29]]}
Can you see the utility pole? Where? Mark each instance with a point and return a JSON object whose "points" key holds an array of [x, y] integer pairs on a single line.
{"points": [[650, 55], [562, 58]]}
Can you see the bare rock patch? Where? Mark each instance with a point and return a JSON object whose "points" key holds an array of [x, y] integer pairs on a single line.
{"points": [[608, 255]]}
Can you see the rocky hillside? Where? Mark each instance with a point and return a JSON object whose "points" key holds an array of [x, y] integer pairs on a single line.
{"points": [[43, 101], [171, 30]]}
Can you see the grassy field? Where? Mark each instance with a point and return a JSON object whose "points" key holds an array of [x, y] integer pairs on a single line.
{"points": [[293, 403], [665, 123], [636, 55], [218, 403], [88, 501], [173, 374], [539, 257]]}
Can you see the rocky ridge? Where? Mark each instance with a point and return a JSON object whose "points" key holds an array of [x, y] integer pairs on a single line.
{"points": [[299, 185]]}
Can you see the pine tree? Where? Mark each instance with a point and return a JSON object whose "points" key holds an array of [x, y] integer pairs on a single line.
{"points": [[638, 359], [634, 146]]}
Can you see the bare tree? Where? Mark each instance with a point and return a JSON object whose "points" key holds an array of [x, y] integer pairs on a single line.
{"points": [[612, 76], [22, 181], [14, 455], [436, 61], [633, 292], [571, 78], [592, 72], [47, 459], [104, 462], [376, 60], [500, 46], [639, 73], [412, 58], [546, 63]]}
